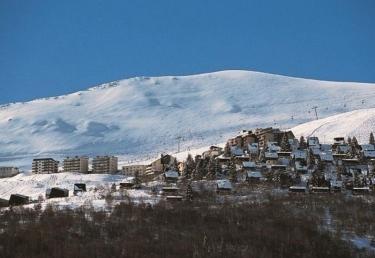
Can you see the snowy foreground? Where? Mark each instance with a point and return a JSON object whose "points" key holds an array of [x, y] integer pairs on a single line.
{"points": [[139, 118], [97, 186]]}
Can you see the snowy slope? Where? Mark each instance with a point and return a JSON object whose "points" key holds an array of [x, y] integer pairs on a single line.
{"points": [[358, 123], [141, 117]]}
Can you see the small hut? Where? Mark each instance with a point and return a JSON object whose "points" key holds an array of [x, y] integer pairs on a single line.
{"points": [[79, 188], [18, 199], [56, 192]]}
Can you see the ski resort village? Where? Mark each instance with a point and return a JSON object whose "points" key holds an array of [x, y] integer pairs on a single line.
{"points": [[266, 158], [151, 165]]}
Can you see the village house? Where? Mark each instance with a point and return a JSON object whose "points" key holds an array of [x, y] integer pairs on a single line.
{"points": [[104, 164], [76, 164], [8, 171], [171, 176], [213, 152], [165, 161], [223, 186], [45, 166]]}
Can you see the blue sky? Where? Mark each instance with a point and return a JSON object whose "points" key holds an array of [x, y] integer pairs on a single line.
{"points": [[50, 48]]}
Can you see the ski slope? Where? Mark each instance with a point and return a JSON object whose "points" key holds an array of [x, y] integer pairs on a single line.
{"points": [[141, 117], [359, 123]]}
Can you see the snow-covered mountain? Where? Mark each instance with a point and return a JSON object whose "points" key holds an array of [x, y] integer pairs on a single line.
{"points": [[359, 123], [144, 116]]}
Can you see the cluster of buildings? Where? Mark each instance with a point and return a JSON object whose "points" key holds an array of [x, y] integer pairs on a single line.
{"points": [[100, 165], [302, 165]]}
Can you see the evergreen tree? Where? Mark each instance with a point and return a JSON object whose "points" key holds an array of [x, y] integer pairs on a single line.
{"points": [[372, 140], [232, 171], [137, 179], [189, 166], [227, 152], [211, 169], [285, 146], [349, 140], [189, 192], [302, 142]]}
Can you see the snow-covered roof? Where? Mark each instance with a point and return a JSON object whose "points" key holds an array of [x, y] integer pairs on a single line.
{"points": [[248, 164], [236, 151], [272, 146], [271, 155], [224, 184], [299, 154], [326, 156], [312, 140], [326, 147], [254, 174], [336, 183], [171, 174], [343, 148], [367, 147]]}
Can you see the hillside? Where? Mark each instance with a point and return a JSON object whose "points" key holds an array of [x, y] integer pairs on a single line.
{"points": [[144, 116], [358, 123]]}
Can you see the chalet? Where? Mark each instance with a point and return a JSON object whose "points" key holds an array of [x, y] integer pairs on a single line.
{"points": [[297, 189], [270, 134], [213, 151], [18, 199], [312, 141], [299, 155], [161, 164], [284, 157], [342, 149], [325, 157], [171, 176], [56, 192], [336, 186], [236, 151], [271, 155], [254, 176], [223, 186], [253, 149], [248, 166], [79, 188]]}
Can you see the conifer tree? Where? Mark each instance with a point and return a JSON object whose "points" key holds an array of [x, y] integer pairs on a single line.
{"points": [[227, 152], [189, 166], [349, 140], [285, 146], [232, 171], [302, 142], [137, 179], [372, 140], [189, 192], [211, 170]]}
